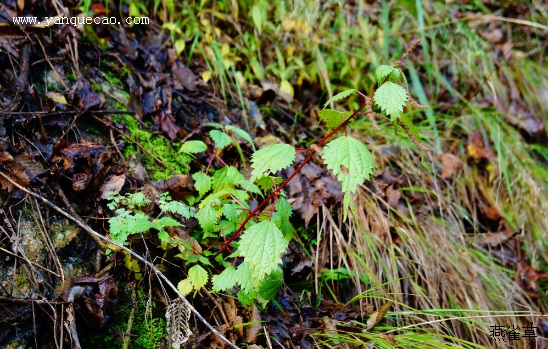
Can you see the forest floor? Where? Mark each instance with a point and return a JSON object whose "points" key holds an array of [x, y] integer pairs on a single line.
{"points": [[446, 244]]}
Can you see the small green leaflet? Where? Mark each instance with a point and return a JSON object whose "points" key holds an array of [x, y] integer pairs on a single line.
{"points": [[244, 278], [283, 207], [231, 212], [202, 182], [269, 287], [207, 217], [382, 72], [261, 245], [272, 159], [243, 134], [349, 160], [197, 276], [221, 139], [225, 280], [339, 96], [168, 205], [193, 147], [391, 98], [226, 177], [333, 118]]}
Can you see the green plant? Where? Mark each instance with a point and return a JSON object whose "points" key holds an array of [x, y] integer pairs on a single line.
{"points": [[130, 219], [222, 194]]}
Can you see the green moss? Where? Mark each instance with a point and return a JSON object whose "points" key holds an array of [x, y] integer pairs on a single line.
{"points": [[155, 144], [148, 330]]}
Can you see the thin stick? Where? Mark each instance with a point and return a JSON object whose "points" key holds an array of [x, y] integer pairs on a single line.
{"points": [[123, 248]]}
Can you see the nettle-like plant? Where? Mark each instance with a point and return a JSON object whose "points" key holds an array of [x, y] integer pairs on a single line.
{"points": [[264, 232]]}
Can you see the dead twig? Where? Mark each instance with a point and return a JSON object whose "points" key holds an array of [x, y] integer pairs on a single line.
{"points": [[158, 273], [131, 317], [76, 216]]}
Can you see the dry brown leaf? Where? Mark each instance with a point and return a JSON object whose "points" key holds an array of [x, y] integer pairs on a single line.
{"points": [[233, 317], [449, 164], [252, 331], [393, 196], [377, 316], [80, 148], [113, 183], [32, 167], [80, 181], [12, 169], [493, 239]]}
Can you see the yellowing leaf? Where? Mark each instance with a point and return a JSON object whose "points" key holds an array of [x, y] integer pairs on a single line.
{"points": [[197, 276], [378, 315], [206, 75], [179, 46], [185, 287], [286, 87], [57, 97]]}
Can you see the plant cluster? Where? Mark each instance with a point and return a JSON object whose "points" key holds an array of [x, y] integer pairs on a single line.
{"points": [[221, 204]]}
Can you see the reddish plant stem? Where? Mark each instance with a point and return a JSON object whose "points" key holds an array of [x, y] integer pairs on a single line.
{"points": [[277, 190]]}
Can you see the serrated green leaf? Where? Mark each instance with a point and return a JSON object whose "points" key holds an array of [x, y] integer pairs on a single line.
{"points": [[268, 288], [349, 161], [225, 280], [243, 134], [245, 278], [267, 182], [193, 147], [272, 159], [231, 212], [198, 276], [139, 223], [348, 203], [226, 177], [382, 72], [283, 207], [333, 118], [164, 236], [137, 199], [395, 75], [221, 139], [339, 96], [214, 198], [185, 287], [177, 207], [207, 217], [202, 182], [261, 246], [165, 222], [391, 98], [247, 298]]}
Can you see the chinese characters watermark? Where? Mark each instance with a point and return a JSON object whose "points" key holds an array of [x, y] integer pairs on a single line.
{"points": [[510, 334]]}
